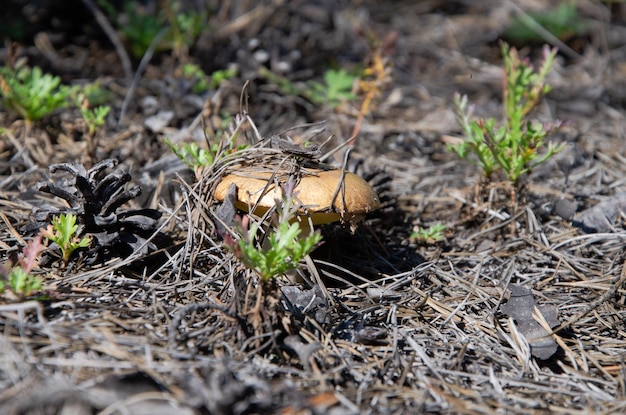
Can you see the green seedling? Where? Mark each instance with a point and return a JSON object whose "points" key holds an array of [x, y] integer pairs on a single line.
{"points": [[94, 93], [140, 26], [193, 155], [202, 82], [220, 76], [141, 29], [62, 231], [336, 88], [564, 22], [517, 146], [198, 78], [94, 117], [184, 26], [197, 158], [19, 278], [285, 248], [433, 233], [31, 93], [285, 85], [21, 282]]}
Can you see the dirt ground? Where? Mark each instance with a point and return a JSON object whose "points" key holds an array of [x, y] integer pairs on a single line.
{"points": [[376, 321]]}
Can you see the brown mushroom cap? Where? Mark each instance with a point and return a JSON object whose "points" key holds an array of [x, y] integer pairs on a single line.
{"points": [[313, 195]]}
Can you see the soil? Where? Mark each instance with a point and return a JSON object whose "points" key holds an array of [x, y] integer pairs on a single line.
{"points": [[519, 307]]}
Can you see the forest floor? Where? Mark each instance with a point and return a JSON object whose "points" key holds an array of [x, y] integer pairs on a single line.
{"points": [[377, 320]]}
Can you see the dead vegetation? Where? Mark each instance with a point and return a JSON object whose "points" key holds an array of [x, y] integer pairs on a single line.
{"points": [[376, 321]]}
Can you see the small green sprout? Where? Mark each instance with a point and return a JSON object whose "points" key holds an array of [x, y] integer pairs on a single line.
{"points": [[140, 29], [22, 282], [519, 145], [184, 26], [200, 80], [94, 117], [434, 233], [62, 231], [336, 88], [197, 158], [31, 93], [19, 278], [140, 26], [286, 248], [564, 22], [192, 155], [94, 93], [222, 75]]}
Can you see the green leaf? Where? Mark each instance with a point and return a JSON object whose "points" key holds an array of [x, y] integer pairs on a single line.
{"points": [[62, 232], [338, 85], [66, 225], [22, 283], [32, 94], [17, 279], [285, 249], [563, 22], [514, 147]]}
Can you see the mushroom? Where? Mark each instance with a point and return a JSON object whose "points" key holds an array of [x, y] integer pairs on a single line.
{"points": [[321, 195]]}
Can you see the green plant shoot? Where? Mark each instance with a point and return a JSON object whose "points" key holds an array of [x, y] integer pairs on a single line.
{"points": [[286, 247], [519, 145], [192, 155], [184, 26], [336, 88], [201, 82], [197, 158], [94, 117], [195, 74], [62, 231], [222, 75], [23, 283], [31, 93], [19, 278], [433, 233], [140, 26], [564, 22]]}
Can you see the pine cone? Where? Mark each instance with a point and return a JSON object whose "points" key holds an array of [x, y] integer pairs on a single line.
{"points": [[96, 198]]}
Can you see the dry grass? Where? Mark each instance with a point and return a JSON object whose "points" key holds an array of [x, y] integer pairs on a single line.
{"points": [[393, 326]]}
